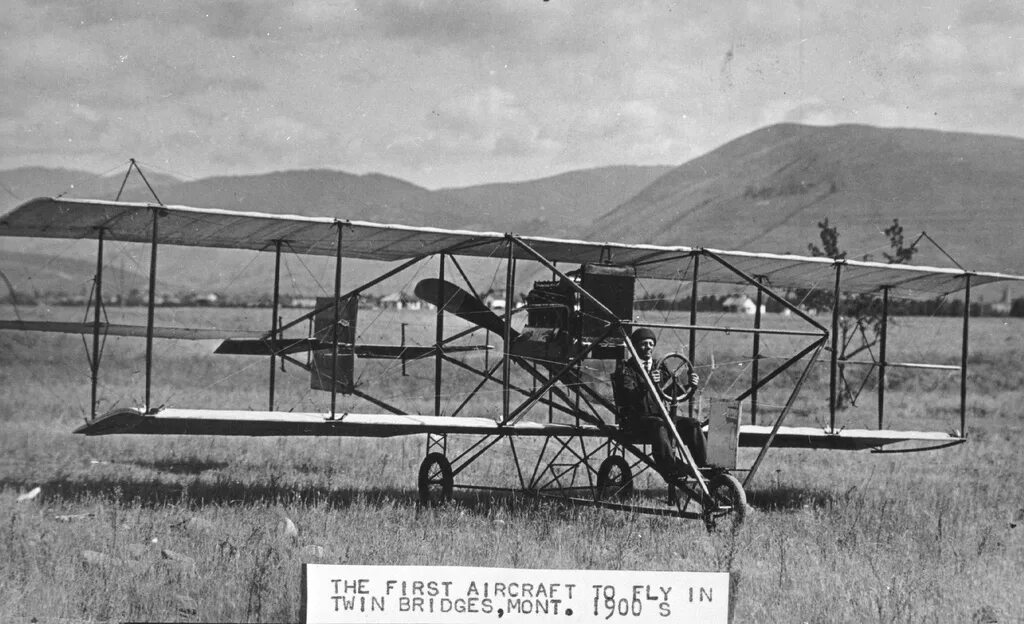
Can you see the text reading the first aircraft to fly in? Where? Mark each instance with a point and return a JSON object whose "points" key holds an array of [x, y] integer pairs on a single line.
{"points": [[369, 594]]}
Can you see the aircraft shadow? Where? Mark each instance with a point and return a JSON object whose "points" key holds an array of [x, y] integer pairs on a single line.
{"points": [[197, 494], [181, 467], [152, 493], [785, 498]]}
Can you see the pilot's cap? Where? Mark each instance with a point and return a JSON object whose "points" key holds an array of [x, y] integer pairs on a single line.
{"points": [[641, 334]]}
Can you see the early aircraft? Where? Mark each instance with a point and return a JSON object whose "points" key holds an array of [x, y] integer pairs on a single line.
{"points": [[580, 317]]}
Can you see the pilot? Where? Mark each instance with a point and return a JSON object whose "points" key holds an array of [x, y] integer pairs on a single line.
{"points": [[639, 412]]}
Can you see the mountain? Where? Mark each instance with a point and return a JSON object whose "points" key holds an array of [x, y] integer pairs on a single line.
{"points": [[768, 190], [553, 206], [561, 200], [322, 193], [312, 193], [24, 183]]}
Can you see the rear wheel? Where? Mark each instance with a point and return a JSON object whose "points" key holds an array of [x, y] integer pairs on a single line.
{"points": [[615, 478], [435, 480], [728, 506]]}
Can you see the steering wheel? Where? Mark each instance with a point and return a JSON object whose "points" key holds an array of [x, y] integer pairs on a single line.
{"points": [[673, 389]]}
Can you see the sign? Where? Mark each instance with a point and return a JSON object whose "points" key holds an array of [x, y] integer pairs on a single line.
{"points": [[426, 594]]}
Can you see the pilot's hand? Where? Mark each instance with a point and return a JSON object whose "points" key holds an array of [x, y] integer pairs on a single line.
{"points": [[694, 380], [656, 375]]}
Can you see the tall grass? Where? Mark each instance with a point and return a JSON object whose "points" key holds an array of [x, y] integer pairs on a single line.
{"points": [[191, 528]]}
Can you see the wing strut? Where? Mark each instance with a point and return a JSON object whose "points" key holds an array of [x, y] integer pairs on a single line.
{"points": [[151, 308], [785, 412], [94, 361]]}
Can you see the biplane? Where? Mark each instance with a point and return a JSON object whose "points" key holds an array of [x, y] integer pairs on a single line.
{"points": [[555, 413]]}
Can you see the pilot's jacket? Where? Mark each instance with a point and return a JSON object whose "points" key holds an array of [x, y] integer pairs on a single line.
{"points": [[632, 396]]}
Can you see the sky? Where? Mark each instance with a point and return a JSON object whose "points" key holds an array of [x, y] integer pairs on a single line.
{"points": [[446, 94]]}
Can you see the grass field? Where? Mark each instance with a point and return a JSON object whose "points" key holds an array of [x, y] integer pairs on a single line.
{"points": [[179, 528]]}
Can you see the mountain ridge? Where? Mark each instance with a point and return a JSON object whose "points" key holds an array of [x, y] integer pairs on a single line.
{"points": [[766, 191]]}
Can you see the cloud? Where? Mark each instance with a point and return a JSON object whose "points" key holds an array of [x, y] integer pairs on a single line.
{"points": [[992, 13], [487, 123], [450, 92], [445, 22]]}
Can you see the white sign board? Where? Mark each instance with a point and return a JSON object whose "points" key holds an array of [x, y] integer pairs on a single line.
{"points": [[425, 594]]}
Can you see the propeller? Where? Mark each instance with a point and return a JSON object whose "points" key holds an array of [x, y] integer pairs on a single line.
{"points": [[462, 304]]}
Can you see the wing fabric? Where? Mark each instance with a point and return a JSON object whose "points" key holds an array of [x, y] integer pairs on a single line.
{"points": [[135, 331], [256, 423], [208, 227]]}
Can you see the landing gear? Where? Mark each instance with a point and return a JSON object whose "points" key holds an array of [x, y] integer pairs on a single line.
{"points": [[728, 506], [435, 480], [615, 478]]}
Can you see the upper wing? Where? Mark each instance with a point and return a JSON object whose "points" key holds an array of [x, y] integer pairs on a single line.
{"points": [[208, 227]]}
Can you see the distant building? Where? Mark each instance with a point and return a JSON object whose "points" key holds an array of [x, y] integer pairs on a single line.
{"points": [[741, 303], [401, 301], [201, 299], [1003, 307], [296, 301], [495, 300]]}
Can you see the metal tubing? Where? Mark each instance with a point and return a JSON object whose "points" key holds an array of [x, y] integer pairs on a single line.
{"points": [[785, 365], [881, 356], [337, 319], [917, 365], [96, 321], [354, 291], [490, 377], [554, 378], [692, 347], [771, 293], [465, 278], [439, 336], [756, 357], [490, 442], [273, 319], [693, 309], [404, 374], [472, 393], [963, 357], [151, 309], [573, 402], [515, 456], [782, 415], [833, 376], [506, 364], [734, 330], [379, 403]]}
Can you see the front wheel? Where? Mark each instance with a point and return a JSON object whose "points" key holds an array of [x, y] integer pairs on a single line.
{"points": [[615, 478], [728, 506], [436, 480]]}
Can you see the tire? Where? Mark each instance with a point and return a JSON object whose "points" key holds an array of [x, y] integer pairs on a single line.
{"points": [[436, 480], [615, 478], [728, 507]]}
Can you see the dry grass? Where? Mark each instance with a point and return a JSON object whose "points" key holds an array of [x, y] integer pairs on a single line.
{"points": [[835, 536]]}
